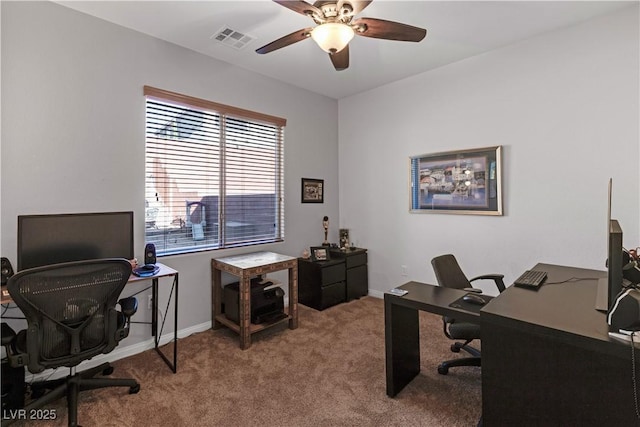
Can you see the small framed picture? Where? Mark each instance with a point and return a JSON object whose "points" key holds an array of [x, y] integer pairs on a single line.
{"points": [[319, 253], [312, 190]]}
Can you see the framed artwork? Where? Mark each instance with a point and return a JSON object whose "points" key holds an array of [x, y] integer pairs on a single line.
{"points": [[319, 253], [458, 182], [312, 190]]}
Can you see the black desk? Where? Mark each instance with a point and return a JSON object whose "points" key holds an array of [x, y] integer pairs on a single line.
{"points": [[546, 357], [401, 328]]}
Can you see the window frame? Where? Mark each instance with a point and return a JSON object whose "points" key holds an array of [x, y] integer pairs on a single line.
{"points": [[225, 112]]}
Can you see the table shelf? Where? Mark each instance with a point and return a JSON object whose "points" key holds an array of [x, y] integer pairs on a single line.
{"points": [[253, 328]]}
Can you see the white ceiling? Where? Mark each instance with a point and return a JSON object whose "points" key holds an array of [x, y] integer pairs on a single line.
{"points": [[455, 30]]}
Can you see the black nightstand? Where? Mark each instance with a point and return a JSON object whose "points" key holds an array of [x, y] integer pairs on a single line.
{"points": [[321, 284], [357, 284]]}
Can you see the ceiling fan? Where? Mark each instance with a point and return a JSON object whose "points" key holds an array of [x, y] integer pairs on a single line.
{"points": [[337, 25]]}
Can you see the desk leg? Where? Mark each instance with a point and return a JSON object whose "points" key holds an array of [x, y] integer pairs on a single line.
{"points": [[293, 297], [175, 328], [216, 297], [245, 311], [154, 309], [154, 322], [402, 344]]}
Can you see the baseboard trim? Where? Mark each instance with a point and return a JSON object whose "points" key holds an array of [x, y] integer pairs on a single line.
{"points": [[376, 294], [120, 352]]}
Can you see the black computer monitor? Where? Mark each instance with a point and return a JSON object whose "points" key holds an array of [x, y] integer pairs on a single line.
{"points": [[611, 286], [614, 262], [56, 238]]}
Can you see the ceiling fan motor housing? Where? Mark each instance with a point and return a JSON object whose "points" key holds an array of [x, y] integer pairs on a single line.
{"points": [[336, 26]]}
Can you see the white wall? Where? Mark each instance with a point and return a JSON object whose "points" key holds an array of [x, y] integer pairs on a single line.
{"points": [[73, 132], [565, 108]]}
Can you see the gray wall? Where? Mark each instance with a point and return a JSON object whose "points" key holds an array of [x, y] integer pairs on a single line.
{"points": [[563, 105], [73, 133]]}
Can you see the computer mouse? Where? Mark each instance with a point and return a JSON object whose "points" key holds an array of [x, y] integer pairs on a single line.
{"points": [[474, 299]]}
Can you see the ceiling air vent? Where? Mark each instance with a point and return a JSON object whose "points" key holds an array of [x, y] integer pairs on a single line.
{"points": [[233, 38]]}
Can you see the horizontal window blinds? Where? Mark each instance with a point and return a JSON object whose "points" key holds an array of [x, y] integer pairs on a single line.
{"points": [[213, 179]]}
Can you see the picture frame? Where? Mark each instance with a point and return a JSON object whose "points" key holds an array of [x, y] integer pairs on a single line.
{"points": [[319, 253], [312, 190], [457, 182], [344, 238]]}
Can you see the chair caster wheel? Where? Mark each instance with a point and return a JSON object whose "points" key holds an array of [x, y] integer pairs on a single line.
{"points": [[134, 389], [455, 348], [107, 371], [443, 370]]}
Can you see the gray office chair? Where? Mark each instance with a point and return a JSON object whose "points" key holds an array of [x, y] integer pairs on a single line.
{"points": [[450, 275], [71, 317]]}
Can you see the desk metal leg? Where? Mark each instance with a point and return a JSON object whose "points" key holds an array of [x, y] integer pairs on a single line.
{"points": [[402, 345], [154, 322], [154, 308]]}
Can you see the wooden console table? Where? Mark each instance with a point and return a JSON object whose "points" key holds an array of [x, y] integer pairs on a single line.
{"points": [[245, 267]]}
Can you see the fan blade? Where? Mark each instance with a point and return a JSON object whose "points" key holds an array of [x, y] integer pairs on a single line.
{"points": [[285, 41], [381, 29], [358, 6], [340, 59], [301, 7]]}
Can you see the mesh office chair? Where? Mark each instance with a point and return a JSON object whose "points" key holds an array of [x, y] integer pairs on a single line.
{"points": [[450, 275], [71, 317]]}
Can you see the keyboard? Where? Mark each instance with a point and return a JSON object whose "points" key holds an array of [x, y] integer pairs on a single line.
{"points": [[531, 279]]}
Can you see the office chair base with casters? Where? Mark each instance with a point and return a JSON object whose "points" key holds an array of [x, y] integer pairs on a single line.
{"points": [[443, 368], [457, 346], [85, 379], [69, 386], [72, 385], [474, 360]]}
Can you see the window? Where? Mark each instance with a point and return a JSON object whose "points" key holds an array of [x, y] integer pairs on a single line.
{"points": [[213, 175]]}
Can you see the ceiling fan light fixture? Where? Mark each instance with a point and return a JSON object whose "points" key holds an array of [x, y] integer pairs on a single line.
{"points": [[332, 37]]}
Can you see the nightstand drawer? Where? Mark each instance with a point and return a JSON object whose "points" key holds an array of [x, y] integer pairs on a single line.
{"points": [[333, 274], [356, 260], [331, 295]]}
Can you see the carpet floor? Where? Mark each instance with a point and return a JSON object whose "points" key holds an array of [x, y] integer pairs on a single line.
{"points": [[330, 371]]}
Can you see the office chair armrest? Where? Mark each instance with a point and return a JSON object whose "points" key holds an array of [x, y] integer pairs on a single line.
{"points": [[129, 306], [474, 290], [497, 278], [8, 334], [9, 341]]}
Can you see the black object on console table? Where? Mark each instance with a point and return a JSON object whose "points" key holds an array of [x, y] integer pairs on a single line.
{"points": [[357, 284], [321, 284]]}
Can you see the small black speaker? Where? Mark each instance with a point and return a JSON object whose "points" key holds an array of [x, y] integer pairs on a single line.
{"points": [[6, 270], [149, 254]]}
